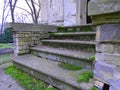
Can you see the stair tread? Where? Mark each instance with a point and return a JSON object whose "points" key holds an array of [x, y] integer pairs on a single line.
{"points": [[70, 41], [76, 33], [60, 51], [51, 69]]}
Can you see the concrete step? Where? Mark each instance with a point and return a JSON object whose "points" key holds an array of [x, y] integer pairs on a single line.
{"points": [[71, 44], [75, 57], [49, 72], [82, 36]]}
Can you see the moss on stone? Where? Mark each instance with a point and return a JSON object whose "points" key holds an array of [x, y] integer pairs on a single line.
{"points": [[86, 28], [84, 77], [92, 58], [106, 18], [69, 66]]}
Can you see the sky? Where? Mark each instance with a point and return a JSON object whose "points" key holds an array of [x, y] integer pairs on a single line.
{"points": [[19, 14]]}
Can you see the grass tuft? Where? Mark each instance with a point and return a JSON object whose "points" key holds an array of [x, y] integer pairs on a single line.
{"points": [[69, 66], [84, 77], [92, 58], [25, 80], [94, 88]]}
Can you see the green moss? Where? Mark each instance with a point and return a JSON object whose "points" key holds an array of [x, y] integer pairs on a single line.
{"points": [[74, 30], [84, 77], [94, 88], [62, 29], [86, 28], [50, 88], [92, 58], [69, 66], [25, 80]]}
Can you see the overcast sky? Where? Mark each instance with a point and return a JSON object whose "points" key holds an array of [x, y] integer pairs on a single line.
{"points": [[18, 12]]}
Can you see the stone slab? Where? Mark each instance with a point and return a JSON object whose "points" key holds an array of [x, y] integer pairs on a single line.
{"points": [[68, 53], [48, 71], [109, 73], [106, 18], [71, 42], [108, 33], [113, 59], [20, 27], [97, 7]]}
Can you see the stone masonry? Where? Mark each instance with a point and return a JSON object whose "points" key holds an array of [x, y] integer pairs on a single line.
{"points": [[105, 14], [23, 40], [28, 35]]}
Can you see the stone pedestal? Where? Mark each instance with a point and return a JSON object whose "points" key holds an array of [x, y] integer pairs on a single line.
{"points": [[107, 66], [106, 15]]}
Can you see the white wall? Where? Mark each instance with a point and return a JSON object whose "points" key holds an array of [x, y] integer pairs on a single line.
{"points": [[55, 12], [44, 11], [63, 12], [69, 12]]}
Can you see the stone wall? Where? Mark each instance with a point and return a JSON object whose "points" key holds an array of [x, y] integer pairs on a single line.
{"points": [[28, 35], [107, 66], [106, 15], [23, 40]]}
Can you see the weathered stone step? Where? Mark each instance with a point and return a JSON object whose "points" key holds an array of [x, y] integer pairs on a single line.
{"points": [[71, 44], [49, 72], [79, 58], [83, 36]]}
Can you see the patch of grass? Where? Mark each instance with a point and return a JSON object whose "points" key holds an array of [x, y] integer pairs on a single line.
{"points": [[50, 88], [94, 88], [2, 46], [84, 77], [92, 58], [69, 66], [25, 80], [5, 58]]}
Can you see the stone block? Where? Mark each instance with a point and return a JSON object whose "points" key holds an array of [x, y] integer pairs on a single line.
{"points": [[113, 59], [108, 73], [108, 33], [118, 48], [106, 18], [97, 7], [105, 48]]}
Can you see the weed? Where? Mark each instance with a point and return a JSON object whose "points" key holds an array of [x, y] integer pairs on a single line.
{"points": [[84, 77], [92, 58], [25, 80], [94, 88]]}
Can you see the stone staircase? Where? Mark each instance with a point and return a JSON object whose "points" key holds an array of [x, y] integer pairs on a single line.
{"points": [[76, 48]]}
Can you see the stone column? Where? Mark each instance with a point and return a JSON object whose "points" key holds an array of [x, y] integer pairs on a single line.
{"points": [[81, 12], [106, 15]]}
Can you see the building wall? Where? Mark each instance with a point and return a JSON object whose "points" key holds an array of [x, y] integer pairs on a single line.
{"points": [[55, 12], [63, 12]]}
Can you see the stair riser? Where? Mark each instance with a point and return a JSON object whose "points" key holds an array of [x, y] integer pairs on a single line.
{"points": [[62, 85], [82, 47], [67, 59], [75, 37]]}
